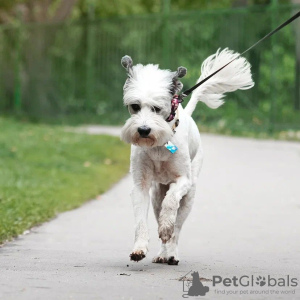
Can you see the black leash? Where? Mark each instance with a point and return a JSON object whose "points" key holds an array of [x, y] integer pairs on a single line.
{"points": [[187, 92]]}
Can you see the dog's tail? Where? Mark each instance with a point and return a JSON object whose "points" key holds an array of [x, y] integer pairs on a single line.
{"points": [[236, 76]]}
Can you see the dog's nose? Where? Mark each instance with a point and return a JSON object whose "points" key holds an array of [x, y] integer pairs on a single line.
{"points": [[144, 131]]}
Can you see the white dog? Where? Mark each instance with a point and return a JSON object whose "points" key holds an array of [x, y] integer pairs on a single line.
{"points": [[166, 156]]}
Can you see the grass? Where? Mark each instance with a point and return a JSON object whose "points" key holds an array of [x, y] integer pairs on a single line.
{"points": [[45, 170]]}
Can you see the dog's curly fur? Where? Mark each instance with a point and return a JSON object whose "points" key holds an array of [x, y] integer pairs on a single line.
{"points": [[169, 180]]}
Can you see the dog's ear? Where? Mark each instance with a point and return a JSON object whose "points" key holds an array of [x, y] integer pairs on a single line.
{"points": [[181, 72], [127, 63], [177, 85]]}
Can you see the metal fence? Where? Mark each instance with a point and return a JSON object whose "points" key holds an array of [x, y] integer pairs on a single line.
{"points": [[71, 72]]}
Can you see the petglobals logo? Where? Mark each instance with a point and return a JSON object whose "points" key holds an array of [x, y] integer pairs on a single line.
{"points": [[195, 286], [255, 281]]}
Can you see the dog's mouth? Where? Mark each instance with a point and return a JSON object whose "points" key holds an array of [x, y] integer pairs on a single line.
{"points": [[147, 141]]}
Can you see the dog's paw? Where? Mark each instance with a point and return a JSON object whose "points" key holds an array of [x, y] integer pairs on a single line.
{"points": [[165, 233], [159, 260], [137, 255], [172, 261]]}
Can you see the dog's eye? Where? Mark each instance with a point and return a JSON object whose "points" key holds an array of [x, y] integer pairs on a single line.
{"points": [[156, 109], [135, 107]]}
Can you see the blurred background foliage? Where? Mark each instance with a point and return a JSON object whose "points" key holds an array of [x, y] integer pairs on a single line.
{"points": [[60, 60]]}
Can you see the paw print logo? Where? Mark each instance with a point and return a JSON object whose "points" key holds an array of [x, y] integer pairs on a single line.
{"points": [[261, 281]]}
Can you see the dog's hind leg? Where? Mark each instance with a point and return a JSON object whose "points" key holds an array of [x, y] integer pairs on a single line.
{"points": [[158, 193]]}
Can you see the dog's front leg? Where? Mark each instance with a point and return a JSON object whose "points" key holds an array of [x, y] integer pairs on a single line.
{"points": [[170, 206], [140, 201]]}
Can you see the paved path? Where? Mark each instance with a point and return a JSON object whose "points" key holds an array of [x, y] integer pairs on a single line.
{"points": [[245, 221], [111, 130]]}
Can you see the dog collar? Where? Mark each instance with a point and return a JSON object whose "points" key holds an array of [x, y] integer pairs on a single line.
{"points": [[170, 146], [176, 122], [174, 105]]}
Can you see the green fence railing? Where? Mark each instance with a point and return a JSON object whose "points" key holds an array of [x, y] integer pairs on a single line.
{"points": [[71, 71]]}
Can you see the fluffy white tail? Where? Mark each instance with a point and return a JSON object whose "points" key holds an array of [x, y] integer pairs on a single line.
{"points": [[236, 76]]}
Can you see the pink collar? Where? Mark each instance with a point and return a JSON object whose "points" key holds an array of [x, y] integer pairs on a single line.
{"points": [[174, 105]]}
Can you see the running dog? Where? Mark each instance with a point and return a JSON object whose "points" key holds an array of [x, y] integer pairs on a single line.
{"points": [[166, 155]]}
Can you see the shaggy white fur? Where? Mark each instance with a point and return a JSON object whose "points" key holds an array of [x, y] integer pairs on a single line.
{"points": [[236, 76], [148, 84], [169, 179]]}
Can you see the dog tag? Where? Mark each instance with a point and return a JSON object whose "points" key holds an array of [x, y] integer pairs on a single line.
{"points": [[171, 147]]}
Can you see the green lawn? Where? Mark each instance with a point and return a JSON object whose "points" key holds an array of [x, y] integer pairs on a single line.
{"points": [[45, 170]]}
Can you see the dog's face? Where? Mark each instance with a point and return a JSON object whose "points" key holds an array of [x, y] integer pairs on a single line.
{"points": [[148, 92]]}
